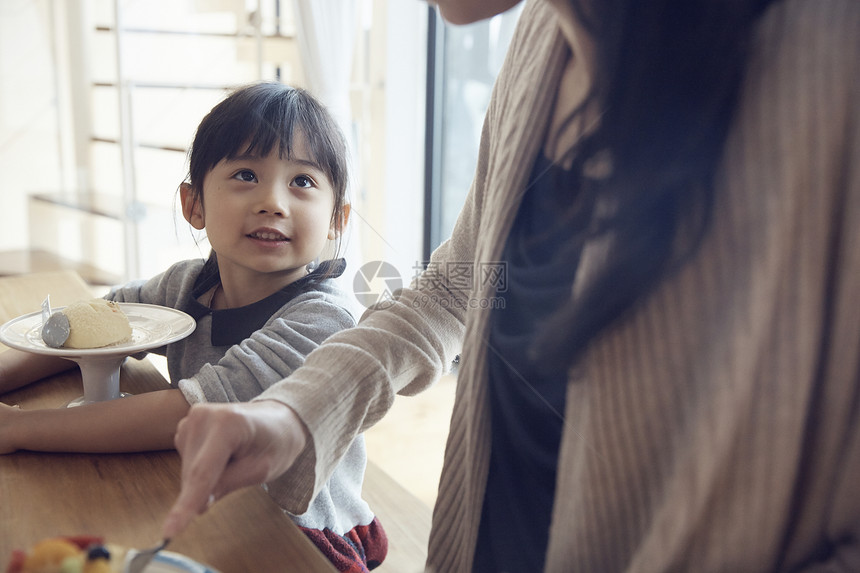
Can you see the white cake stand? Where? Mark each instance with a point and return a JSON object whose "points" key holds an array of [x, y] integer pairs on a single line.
{"points": [[152, 326]]}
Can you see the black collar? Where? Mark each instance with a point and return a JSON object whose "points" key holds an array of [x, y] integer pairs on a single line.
{"points": [[233, 325]]}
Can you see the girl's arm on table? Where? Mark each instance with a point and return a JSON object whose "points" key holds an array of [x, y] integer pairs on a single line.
{"points": [[19, 368], [138, 423]]}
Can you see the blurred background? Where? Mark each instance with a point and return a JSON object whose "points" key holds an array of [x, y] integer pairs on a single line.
{"points": [[99, 100]]}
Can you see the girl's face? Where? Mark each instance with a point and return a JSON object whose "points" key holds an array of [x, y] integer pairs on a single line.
{"points": [[265, 217], [468, 11]]}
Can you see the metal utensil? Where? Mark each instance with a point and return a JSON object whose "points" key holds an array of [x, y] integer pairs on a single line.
{"points": [[55, 325], [142, 558], [46, 309], [56, 330]]}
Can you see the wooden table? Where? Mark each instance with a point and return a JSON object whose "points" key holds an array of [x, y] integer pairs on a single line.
{"points": [[125, 497]]}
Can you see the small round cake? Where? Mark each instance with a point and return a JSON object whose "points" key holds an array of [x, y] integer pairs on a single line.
{"points": [[96, 323]]}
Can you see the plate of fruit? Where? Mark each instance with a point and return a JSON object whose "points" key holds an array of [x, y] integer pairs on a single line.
{"points": [[90, 554]]}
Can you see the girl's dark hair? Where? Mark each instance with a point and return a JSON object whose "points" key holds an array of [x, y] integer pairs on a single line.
{"points": [[254, 119], [668, 75]]}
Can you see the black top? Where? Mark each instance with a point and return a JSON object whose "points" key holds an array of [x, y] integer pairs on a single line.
{"points": [[527, 405], [233, 325]]}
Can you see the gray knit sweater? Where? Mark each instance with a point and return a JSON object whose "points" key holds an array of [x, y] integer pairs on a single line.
{"points": [[233, 355]]}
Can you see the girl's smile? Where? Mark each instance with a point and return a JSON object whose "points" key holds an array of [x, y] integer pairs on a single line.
{"points": [[269, 236]]}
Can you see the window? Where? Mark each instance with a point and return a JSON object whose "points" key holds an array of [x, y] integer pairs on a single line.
{"points": [[465, 61]]}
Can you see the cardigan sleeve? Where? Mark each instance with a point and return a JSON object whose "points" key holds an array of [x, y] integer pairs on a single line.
{"points": [[270, 353], [841, 536]]}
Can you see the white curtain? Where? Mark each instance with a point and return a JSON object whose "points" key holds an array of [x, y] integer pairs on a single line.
{"points": [[325, 31]]}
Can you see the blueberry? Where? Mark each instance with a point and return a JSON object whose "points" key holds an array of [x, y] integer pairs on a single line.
{"points": [[97, 552]]}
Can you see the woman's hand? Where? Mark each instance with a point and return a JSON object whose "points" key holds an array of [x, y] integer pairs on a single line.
{"points": [[8, 415], [228, 446]]}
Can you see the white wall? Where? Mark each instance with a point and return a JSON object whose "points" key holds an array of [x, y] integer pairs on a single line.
{"points": [[392, 219], [404, 131], [30, 160], [38, 155]]}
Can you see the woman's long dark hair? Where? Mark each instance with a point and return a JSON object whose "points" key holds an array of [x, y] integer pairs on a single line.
{"points": [[668, 74]]}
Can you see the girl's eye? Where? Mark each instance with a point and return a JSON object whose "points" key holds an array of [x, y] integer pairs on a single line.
{"points": [[246, 176], [303, 181]]}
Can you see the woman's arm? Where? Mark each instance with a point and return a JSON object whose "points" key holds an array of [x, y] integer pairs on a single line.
{"points": [[19, 368], [271, 353], [132, 424]]}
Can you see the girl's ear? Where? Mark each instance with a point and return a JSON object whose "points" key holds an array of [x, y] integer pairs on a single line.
{"points": [[192, 210], [337, 227]]}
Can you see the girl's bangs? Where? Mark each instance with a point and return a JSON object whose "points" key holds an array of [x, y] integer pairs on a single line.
{"points": [[260, 135], [253, 121]]}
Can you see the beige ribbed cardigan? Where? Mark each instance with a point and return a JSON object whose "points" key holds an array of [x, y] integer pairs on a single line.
{"points": [[717, 428]]}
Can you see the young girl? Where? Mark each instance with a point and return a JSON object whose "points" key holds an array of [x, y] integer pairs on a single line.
{"points": [[267, 182]]}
